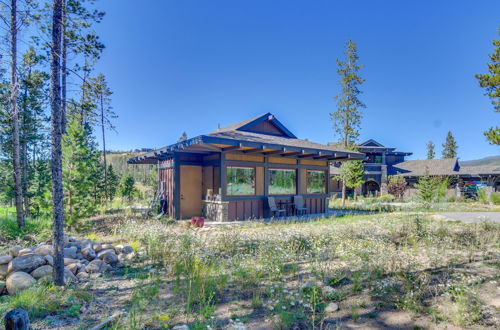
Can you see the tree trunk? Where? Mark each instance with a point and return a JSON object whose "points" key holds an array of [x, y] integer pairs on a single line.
{"points": [[343, 193], [15, 117], [64, 61], [57, 120], [24, 147], [104, 150]]}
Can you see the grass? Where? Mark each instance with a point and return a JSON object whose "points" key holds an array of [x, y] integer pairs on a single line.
{"points": [[388, 260], [35, 230]]}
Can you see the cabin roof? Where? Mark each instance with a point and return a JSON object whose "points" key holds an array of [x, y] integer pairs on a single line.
{"points": [[263, 134], [433, 167]]}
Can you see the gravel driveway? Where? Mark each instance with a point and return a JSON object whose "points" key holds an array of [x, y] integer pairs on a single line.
{"points": [[471, 216]]}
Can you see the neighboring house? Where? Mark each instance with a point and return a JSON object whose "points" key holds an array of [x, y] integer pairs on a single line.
{"points": [[381, 161], [229, 174]]}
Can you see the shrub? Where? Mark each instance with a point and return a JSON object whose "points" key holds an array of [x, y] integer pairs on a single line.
{"points": [[396, 185], [482, 196], [495, 198]]}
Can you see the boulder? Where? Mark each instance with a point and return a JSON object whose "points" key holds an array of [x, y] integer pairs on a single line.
{"points": [[69, 277], [14, 251], [126, 257], [50, 259], [44, 250], [108, 247], [88, 253], [118, 248], [73, 267], [127, 250], [4, 270], [96, 266], [110, 258], [68, 261], [5, 260], [103, 252], [26, 263], [19, 281], [77, 245], [81, 268], [70, 252], [82, 275], [42, 271], [327, 290], [23, 252], [97, 247], [331, 308], [17, 319]]}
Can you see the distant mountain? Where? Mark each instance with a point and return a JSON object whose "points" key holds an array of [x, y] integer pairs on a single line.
{"points": [[491, 160]]}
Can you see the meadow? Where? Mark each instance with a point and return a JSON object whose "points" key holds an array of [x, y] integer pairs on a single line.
{"points": [[398, 269]]}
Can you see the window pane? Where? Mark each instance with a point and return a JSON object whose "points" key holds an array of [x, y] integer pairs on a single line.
{"points": [[316, 182], [282, 182], [240, 180]]}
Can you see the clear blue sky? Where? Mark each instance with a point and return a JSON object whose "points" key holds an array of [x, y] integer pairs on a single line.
{"points": [[188, 65]]}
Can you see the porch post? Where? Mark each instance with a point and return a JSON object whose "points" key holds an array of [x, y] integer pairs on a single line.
{"points": [[177, 186], [223, 176]]}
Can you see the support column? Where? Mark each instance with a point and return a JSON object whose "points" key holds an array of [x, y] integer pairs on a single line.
{"points": [[177, 187], [223, 176]]}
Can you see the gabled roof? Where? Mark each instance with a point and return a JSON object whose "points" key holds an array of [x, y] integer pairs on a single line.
{"points": [[264, 134], [433, 167], [480, 170], [256, 124], [371, 143]]}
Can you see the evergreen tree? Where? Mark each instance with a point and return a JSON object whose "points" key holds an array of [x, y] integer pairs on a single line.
{"points": [[352, 175], [113, 181], [491, 83], [450, 146], [426, 188], [430, 150], [347, 118], [81, 171], [183, 137], [127, 187]]}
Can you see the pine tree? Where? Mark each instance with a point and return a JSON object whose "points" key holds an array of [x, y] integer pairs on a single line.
{"points": [[183, 137], [352, 175], [491, 83], [347, 118], [57, 130], [127, 187], [81, 171], [450, 146], [426, 188], [430, 150], [113, 182]]}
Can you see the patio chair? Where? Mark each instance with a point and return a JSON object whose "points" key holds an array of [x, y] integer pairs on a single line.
{"points": [[298, 204], [274, 209]]}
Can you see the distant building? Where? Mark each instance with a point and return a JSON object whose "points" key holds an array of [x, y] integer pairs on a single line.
{"points": [[382, 161]]}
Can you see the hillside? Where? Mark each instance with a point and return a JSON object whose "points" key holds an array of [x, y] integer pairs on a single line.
{"points": [[491, 160]]}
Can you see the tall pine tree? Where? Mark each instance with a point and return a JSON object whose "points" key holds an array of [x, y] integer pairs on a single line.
{"points": [[491, 83], [450, 146], [430, 150]]}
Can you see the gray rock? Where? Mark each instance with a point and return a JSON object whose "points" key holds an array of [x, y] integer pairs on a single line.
{"points": [[73, 267], [68, 261], [110, 258], [331, 308], [50, 260], [19, 281], [81, 268], [118, 248], [5, 260], [26, 263], [96, 266], [103, 252], [97, 247], [326, 290], [69, 277], [88, 253], [127, 250], [108, 247], [23, 252], [79, 256], [4, 270], [70, 252], [126, 257], [119, 265], [82, 275], [14, 251], [45, 250], [42, 271]]}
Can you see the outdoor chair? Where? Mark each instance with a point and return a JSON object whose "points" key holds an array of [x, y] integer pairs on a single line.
{"points": [[274, 209], [298, 204]]}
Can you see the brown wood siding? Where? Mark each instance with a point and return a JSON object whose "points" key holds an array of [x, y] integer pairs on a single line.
{"points": [[246, 209], [266, 128], [208, 180], [315, 204], [245, 158], [167, 180], [259, 180], [303, 181], [279, 160], [313, 162]]}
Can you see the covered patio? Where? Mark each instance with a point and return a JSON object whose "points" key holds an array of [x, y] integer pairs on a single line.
{"points": [[233, 172]]}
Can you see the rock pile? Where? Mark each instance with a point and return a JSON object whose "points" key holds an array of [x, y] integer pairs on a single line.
{"points": [[83, 259]]}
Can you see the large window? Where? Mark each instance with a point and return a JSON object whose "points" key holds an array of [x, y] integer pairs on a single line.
{"points": [[316, 183], [240, 180], [282, 182]]}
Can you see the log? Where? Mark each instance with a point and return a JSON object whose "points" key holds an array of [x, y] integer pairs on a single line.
{"points": [[17, 319], [104, 323]]}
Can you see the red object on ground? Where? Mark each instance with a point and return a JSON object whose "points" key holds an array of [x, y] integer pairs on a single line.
{"points": [[197, 222]]}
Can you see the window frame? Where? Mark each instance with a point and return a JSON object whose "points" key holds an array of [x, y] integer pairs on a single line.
{"points": [[254, 180], [283, 169], [325, 182]]}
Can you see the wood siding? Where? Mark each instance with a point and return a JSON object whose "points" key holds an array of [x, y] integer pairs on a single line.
{"points": [[245, 158]]}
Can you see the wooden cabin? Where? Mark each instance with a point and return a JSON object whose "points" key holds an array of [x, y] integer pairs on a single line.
{"points": [[229, 174]]}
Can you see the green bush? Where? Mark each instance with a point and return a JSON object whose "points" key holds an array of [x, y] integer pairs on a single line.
{"points": [[495, 198], [482, 197], [35, 230], [386, 198]]}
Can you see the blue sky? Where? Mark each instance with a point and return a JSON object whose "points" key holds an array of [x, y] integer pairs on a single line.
{"points": [[189, 65]]}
